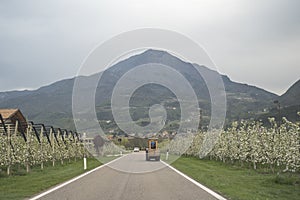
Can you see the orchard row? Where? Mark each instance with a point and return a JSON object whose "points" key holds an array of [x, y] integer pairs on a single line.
{"points": [[37, 144], [276, 148]]}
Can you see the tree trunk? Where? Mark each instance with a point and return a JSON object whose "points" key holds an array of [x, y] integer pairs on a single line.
{"points": [[254, 165], [27, 168], [8, 170]]}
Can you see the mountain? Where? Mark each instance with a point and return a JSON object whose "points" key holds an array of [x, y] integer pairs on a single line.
{"points": [[292, 96], [287, 105], [52, 104]]}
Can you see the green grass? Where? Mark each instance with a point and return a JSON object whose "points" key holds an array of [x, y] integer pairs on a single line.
{"points": [[171, 158], [23, 185], [240, 183]]}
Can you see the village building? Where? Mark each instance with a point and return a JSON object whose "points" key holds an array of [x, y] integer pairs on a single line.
{"points": [[11, 116]]}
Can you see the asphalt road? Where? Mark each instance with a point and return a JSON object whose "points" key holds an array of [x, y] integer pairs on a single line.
{"points": [[115, 182]]}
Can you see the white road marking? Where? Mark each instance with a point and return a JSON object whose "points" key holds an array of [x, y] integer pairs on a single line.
{"points": [[74, 179], [219, 197]]}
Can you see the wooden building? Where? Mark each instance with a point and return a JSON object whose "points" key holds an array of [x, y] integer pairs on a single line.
{"points": [[10, 116]]}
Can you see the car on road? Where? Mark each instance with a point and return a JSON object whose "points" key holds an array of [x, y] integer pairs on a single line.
{"points": [[136, 149]]}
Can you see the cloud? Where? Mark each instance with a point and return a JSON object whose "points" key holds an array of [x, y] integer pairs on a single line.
{"points": [[51, 38]]}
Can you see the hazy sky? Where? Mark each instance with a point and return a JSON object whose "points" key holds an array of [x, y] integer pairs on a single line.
{"points": [[252, 41]]}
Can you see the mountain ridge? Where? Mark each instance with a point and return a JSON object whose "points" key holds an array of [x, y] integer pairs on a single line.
{"points": [[292, 96], [52, 104]]}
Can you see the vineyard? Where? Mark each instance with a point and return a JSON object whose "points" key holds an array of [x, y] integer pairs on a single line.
{"points": [[275, 148], [27, 144]]}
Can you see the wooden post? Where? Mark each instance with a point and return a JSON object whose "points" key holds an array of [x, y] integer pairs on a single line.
{"points": [[53, 146], [76, 149], [68, 146], [41, 149], [16, 127], [58, 136], [27, 147], [8, 150]]}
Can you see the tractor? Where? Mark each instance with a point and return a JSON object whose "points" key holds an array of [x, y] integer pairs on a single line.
{"points": [[152, 152]]}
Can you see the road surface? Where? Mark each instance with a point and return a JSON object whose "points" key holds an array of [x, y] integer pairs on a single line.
{"points": [[114, 182]]}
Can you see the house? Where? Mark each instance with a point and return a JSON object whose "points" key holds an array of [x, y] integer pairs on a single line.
{"points": [[10, 116]]}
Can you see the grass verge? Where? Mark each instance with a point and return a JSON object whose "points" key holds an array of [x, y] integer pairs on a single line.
{"points": [[240, 183], [26, 185]]}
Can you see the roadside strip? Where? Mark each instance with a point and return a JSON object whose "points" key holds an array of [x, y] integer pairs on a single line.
{"points": [[219, 197]]}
